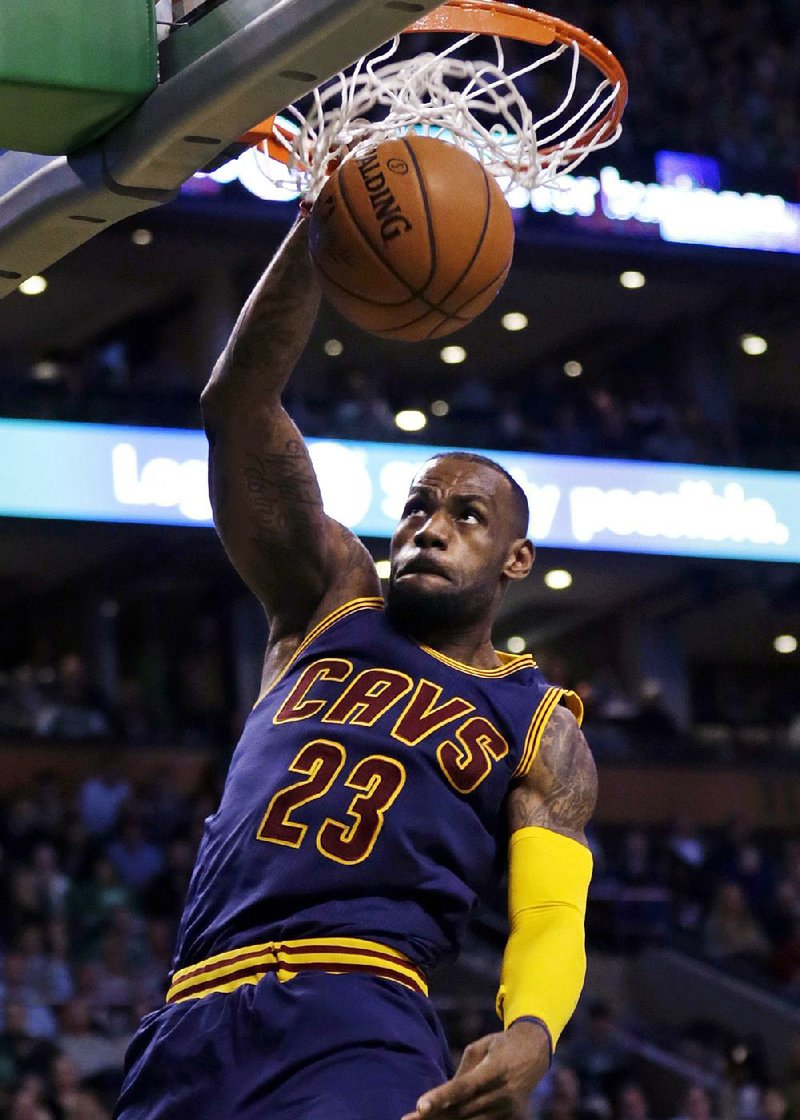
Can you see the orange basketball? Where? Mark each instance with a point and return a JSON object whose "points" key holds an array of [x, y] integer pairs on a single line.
{"points": [[412, 240]]}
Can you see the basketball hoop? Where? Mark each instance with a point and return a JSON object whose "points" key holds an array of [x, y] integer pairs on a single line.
{"points": [[475, 104]]}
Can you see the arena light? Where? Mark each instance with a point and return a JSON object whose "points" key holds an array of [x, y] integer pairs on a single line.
{"points": [[383, 568], [411, 420], [632, 279], [453, 355], [333, 348], [33, 286], [516, 644], [785, 643], [558, 579], [440, 408], [573, 369], [514, 321], [753, 345], [45, 371], [142, 237]]}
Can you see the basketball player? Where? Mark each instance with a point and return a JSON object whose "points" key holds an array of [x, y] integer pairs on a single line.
{"points": [[371, 796]]}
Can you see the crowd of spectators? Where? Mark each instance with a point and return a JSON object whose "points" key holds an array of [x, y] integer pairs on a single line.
{"points": [[716, 77], [632, 417], [93, 881]]}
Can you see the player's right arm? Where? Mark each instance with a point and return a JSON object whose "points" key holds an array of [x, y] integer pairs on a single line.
{"points": [[264, 492]]}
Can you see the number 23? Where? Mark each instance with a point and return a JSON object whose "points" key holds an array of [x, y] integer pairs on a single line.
{"points": [[378, 778]]}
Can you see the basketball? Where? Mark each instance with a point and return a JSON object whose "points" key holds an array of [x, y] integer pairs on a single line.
{"points": [[412, 240]]}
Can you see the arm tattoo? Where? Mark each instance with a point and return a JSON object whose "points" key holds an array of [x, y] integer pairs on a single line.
{"points": [[561, 789], [284, 491]]}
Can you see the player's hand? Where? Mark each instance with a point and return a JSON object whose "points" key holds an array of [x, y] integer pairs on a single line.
{"points": [[494, 1080]]}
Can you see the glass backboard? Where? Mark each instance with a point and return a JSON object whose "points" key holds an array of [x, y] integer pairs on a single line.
{"points": [[226, 66]]}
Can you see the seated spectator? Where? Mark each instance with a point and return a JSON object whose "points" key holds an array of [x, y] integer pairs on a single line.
{"points": [[78, 710], [16, 989], [50, 884], [687, 871], [631, 1103], [90, 903], [90, 1051], [67, 1097], [563, 1101], [43, 970], [732, 933], [135, 859], [600, 1058], [27, 1104], [774, 1103], [21, 1053], [101, 798], [22, 827], [697, 1104]]}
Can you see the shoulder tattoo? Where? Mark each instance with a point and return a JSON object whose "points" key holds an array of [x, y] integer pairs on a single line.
{"points": [[560, 790]]}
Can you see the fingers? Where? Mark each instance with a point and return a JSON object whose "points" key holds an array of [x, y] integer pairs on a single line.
{"points": [[461, 1096], [473, 1055]]}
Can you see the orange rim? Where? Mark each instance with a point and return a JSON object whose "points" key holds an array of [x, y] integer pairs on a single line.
{"points": [[494, 17]]}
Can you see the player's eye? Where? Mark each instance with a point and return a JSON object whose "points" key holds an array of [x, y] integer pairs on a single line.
{"points": [[470, 515], [414, 505]]}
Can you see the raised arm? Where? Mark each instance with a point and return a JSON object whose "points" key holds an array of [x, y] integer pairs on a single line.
{"points": [[264, 493]]}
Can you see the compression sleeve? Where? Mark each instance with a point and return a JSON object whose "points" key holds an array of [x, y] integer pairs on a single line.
{"points": [[544, 964]]}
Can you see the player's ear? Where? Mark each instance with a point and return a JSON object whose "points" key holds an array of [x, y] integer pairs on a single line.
{"points": [[520, 559]]}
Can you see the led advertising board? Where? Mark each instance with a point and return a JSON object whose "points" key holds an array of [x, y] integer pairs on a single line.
{"points": [[97, 472]]}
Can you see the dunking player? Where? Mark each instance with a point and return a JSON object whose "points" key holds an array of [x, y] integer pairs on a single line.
{"points": [[390, 754]]}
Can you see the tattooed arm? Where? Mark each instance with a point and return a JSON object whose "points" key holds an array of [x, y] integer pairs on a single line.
{"points": [[498, 1071], [264, 493], [560, 791]]}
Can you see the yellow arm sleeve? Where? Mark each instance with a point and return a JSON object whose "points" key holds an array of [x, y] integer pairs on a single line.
{"points": [[544, 964]]}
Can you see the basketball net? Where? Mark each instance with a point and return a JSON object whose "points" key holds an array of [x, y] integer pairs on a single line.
{"points": [[474, 104]]}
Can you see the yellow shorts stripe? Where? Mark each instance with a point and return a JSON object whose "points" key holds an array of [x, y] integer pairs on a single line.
{"points": [[285, 959]]}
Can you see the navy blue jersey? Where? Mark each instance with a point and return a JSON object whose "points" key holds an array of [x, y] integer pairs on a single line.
{"points": [[366, 797]]}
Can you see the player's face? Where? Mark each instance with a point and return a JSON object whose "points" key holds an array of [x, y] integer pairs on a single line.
{"points": [[451, 547]]}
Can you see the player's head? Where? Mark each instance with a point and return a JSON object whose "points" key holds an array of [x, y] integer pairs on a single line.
{"points": [[461, 540]]}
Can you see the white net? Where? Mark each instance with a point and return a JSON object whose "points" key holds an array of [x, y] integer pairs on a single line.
{"points": [[475, 105]]}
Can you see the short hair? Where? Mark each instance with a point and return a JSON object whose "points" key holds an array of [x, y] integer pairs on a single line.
{"points": [[518, 497]]}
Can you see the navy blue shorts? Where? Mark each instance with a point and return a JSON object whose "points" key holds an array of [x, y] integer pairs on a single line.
{"points": [[318, 1047]]}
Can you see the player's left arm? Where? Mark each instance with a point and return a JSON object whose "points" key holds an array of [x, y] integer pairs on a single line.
{"points": [[545, 961]]}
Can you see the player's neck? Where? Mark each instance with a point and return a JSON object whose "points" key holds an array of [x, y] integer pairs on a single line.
{"points": [[469, 647]]}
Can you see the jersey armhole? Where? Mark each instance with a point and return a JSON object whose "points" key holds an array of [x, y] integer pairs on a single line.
{"points": [[367, 603], [539, 722]]}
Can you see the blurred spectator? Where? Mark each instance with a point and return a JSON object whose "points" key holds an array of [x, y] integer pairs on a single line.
{"points": [[21, 1053], [135, 859], [16, 989], [43, 969], [600, 1058], [67, 1098], [732, 933], [50, 884], [101, 798], [90, 1051], [687, 872], [774, 1103], [631, 1103], [78, 710], [90, 903], [563, 1101], [697, 1104]]}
